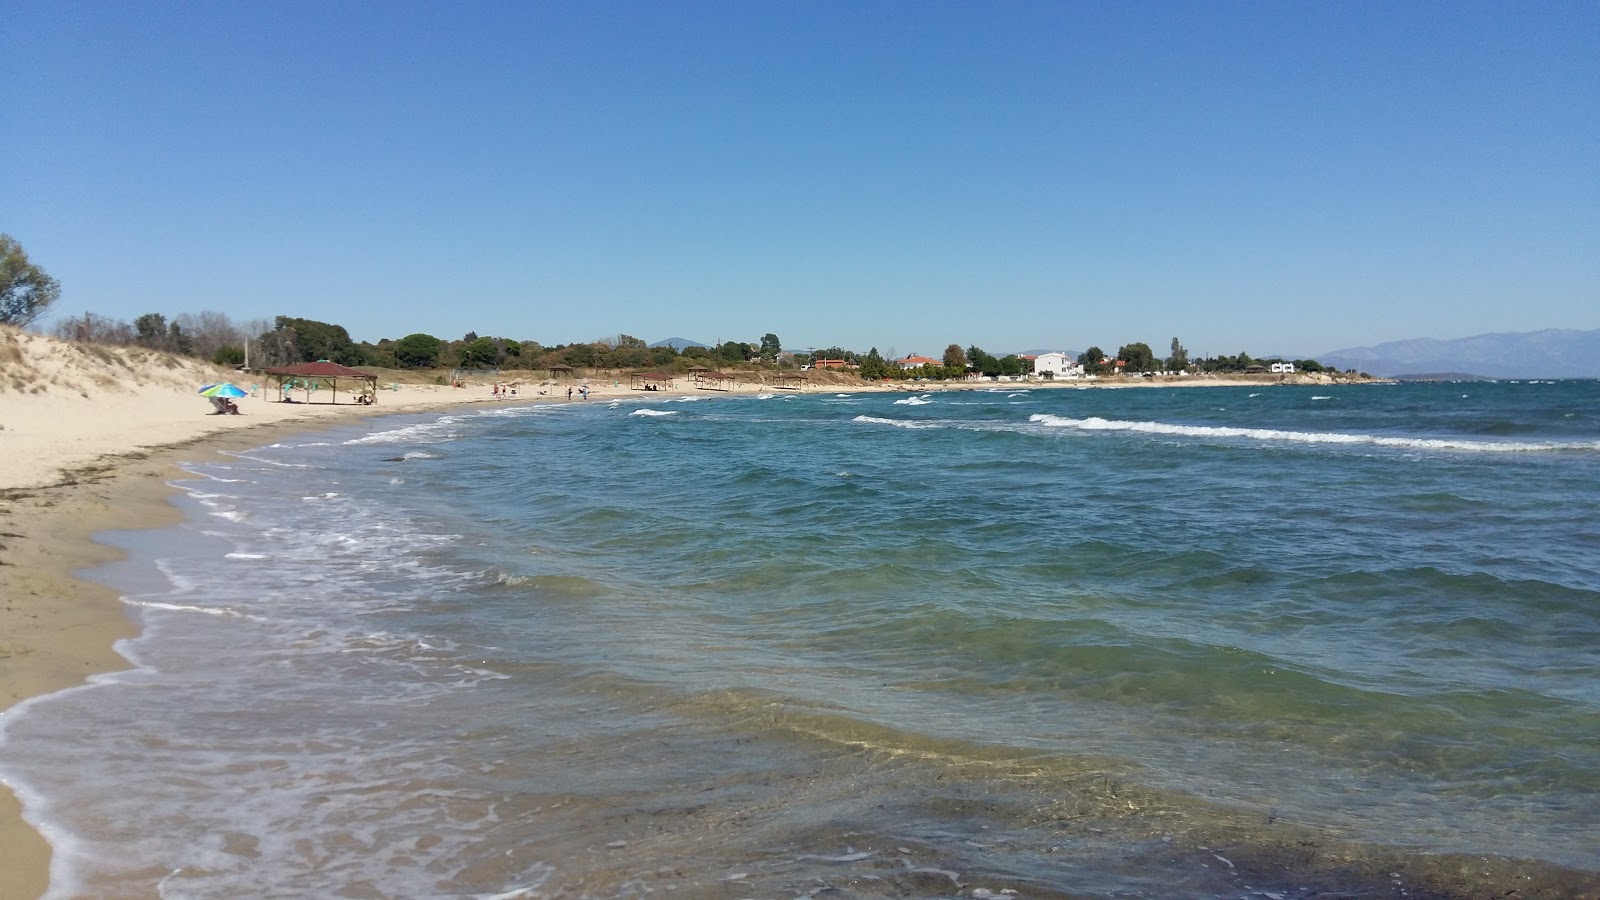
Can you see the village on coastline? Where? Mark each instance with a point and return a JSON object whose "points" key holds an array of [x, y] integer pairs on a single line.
{"points": [[286, 341]]}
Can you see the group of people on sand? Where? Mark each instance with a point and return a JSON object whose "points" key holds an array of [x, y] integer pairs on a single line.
{"points": [[505, 392]]}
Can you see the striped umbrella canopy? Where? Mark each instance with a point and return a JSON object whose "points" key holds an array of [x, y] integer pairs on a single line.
{"points": [[225, 389]]}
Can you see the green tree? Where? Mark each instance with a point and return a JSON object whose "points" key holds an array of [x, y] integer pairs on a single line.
{"points": [[479, 353], [954, 358], [770, 347], [1179, 360], [581, 356], [307, 340], [984, 362], [178, 341], [1093, 361], [152, 329], [1012, 365], [26, 290], [228, 356], [873, 365], [733, 351], [1138, 356], [417, 351]]}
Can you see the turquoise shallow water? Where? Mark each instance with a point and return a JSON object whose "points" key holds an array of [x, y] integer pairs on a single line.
{"points": [[1200, 642]]}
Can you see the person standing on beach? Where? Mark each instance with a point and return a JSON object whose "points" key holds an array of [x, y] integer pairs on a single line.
{"points": [[569, 393]]}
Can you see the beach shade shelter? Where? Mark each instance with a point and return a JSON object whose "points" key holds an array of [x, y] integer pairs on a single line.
{"points": [[312, 376], [650, 381], [789, 381], [560, 371], [697, 372], [716, 381]]}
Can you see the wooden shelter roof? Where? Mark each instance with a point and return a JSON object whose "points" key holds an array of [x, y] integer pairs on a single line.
{"points": [[320, 369]]}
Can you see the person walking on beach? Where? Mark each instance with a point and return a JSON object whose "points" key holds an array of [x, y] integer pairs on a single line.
{"points": [[569, 393]]}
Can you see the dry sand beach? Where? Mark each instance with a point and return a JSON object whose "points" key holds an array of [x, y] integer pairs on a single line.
{"points": [[90, 437]]}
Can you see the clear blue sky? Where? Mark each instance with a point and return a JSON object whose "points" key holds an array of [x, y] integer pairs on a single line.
{"points": [[1265, 176]]}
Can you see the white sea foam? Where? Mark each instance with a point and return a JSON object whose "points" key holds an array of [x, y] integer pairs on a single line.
{"points": [[268, 462], [435, 432], [914, 401], [226, 612], [898, 423], [1321, 397], [654, 412], [1095, 423]]}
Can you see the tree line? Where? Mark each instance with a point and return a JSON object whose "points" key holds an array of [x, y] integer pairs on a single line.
{"points": [[27, 291]]}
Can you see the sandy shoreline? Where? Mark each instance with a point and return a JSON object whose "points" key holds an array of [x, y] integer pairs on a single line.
{"points": [[93, 454]]}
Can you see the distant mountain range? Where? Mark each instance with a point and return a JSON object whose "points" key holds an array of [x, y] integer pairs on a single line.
{"points": [[1552, 353], [678, 344]]}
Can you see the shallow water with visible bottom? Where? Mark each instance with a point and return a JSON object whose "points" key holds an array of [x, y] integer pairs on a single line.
{"points": [[1232, 641]]}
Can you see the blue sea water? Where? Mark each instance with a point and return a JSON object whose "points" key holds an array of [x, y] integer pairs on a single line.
{"points": [[1224, 641]]}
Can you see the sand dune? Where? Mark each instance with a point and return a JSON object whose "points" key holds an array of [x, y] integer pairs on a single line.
{"points": [[65, 406]]}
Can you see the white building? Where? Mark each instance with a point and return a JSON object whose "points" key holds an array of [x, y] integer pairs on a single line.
{"points": [[1283, 368], [1056, 365]]}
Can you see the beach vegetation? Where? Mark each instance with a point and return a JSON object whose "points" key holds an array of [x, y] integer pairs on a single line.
{"points": [[480, 353], [874, 366], [417, 351], [581, 356], [1093, 361], [26, 290], [734, 351], [294, 340], [1178, 358], [1138, 357], [1228, 364], [214, 337]]}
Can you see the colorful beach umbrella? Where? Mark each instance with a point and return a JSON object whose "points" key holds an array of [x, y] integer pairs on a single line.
{"points": [[225, 389]]}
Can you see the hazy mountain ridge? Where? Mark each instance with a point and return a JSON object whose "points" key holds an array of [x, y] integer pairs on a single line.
{"points": [[1551, 353], [678, 343]]}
